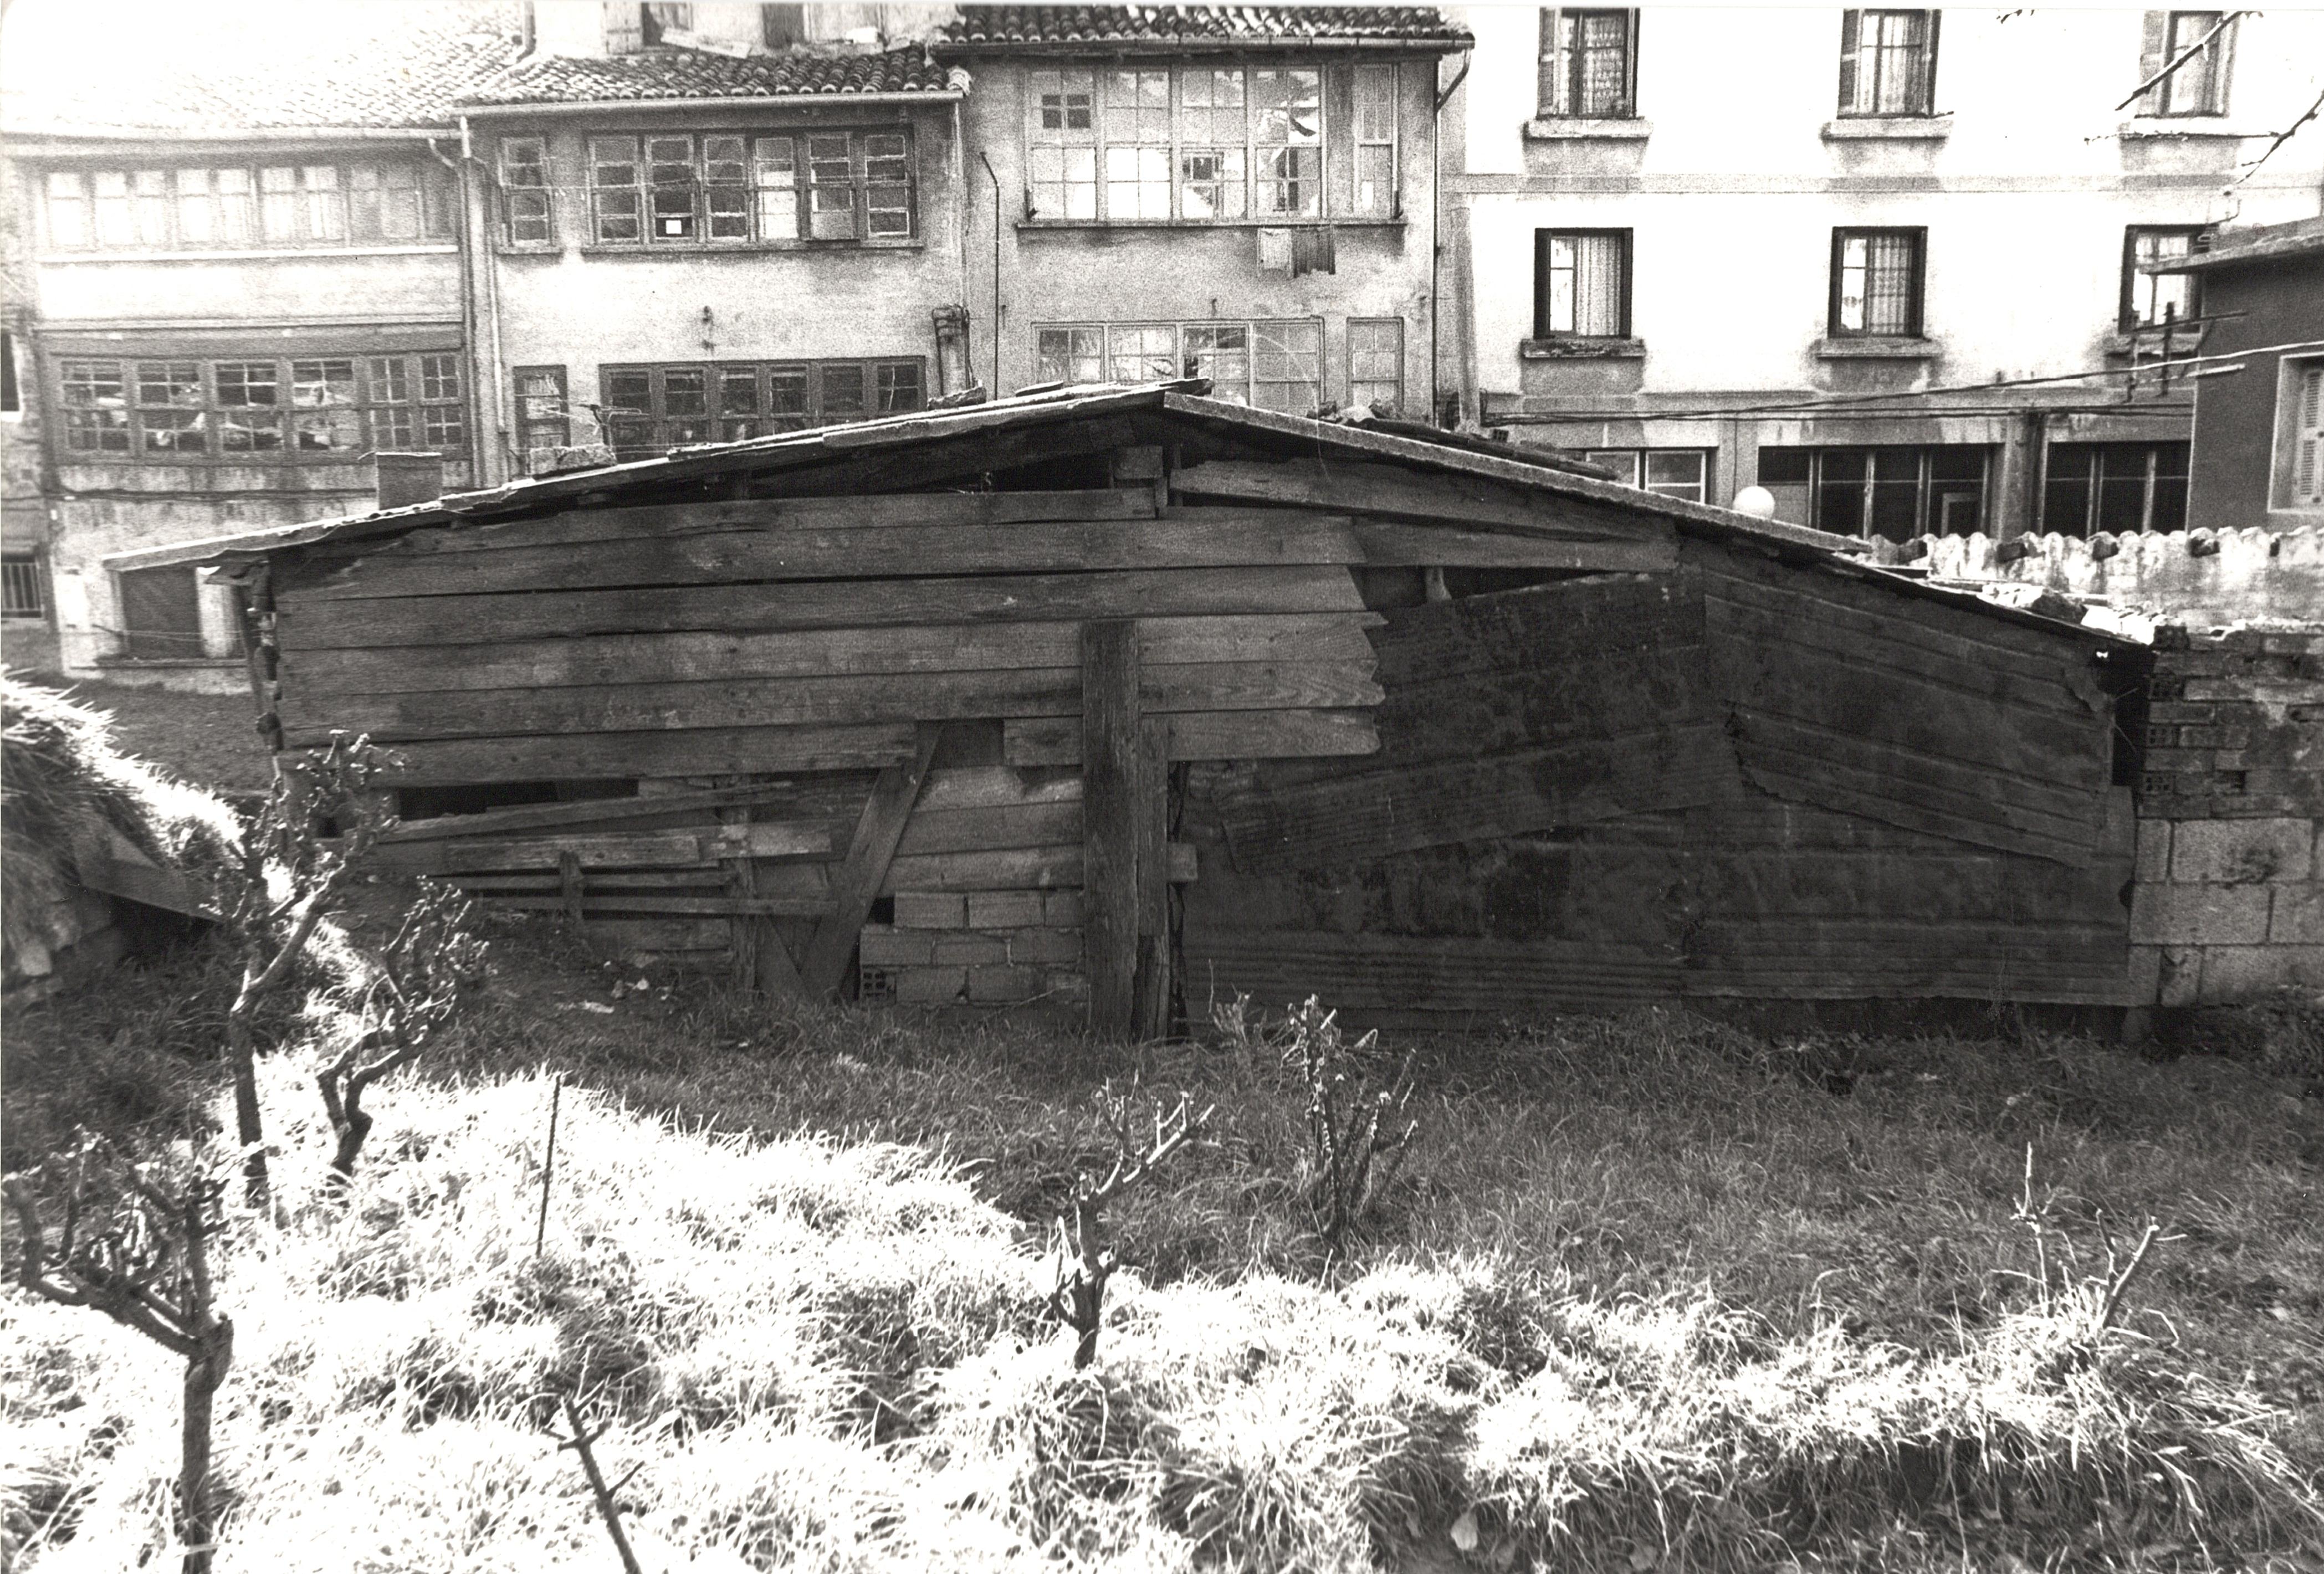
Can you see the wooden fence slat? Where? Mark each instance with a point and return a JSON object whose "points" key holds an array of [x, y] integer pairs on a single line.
{"points": [[1110, 829], [1214, 735]]}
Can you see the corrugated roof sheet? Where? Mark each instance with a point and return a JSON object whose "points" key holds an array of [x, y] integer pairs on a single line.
{"points": [[685, 73], [70, 67], [989, 29]]}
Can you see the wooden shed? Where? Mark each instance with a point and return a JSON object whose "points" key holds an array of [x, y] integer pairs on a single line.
{"points": [[1134, 696]]}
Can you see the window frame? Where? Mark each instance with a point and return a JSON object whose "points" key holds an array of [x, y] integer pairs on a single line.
{"points": [[1561, 69], [750, 188], [816, 377], [2094, 457], [131, 636], [2199, 237], [1640, 461], [1544, 245], [2217, 62], [2296, 437], [320, 215], [434, 400], [1929, 488], [1070, 166], [1853, 58], [24, 588], [1841, 235], [1184, 362], [1357, 325]]}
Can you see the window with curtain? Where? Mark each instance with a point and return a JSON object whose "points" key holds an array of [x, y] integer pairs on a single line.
{"points": [[1589, 64], [1888, 63], [1875, 282], [1581, 284], [2198, 83]]}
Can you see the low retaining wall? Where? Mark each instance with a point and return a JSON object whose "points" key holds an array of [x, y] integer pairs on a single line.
{"points": [[2199, 578], [2228, 907]]}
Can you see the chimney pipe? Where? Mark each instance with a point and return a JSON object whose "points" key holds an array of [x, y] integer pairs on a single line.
{"points": [[405, 479]]}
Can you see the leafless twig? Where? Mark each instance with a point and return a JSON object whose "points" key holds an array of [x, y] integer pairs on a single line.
{"points": [[1084, 1263], [583, 1442]]}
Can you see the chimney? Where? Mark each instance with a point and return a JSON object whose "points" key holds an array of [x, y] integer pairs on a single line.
{"points": [[405, 479]]}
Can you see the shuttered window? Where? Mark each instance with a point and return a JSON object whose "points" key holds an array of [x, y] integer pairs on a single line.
{"points": [[2308, 435], [1589, 64], [1888, 63], [1581, 284]]}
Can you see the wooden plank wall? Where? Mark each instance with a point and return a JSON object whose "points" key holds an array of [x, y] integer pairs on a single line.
{"points": [[1636, 787]]}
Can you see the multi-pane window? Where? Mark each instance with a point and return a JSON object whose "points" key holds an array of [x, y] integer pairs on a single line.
{"points": [[525, 201], [1681, 472], [2198, 83], [651, 410], [2092, 487], [543, 426], [1875, 282], [1273, 364], [726, 188], [1899, 493], [20, 587], [369, 202], [2148, 298], [1581, 284], [1589, 64], [333, 406], [1208, 143], [1376, 365], [1888, 63]]}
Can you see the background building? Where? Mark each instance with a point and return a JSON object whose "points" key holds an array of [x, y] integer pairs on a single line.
{"points": [[1723, 247]]}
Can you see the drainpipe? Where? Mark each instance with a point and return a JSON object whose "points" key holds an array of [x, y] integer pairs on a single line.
{"points": [[1462, 326], [491, 274], [995, 179], [467, 305]]}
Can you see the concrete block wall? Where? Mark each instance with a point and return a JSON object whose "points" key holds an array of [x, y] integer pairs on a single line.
{"points": [[981, 948], [2227, 905]]}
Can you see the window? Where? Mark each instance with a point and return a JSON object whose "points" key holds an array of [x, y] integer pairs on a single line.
{"points": [[2304, 397], [1899, 493], [171, 411], [371, 202], [1273, 364], [2198, 84], [1581, 284], [160, 614], [12, 402], [1376, 365], [1875, 282], [20, 587], [1149, 144], [2090, 487], [524, 191], [2150, 298], [1888, 63], [726, 188], [542, 425], [651, 410], [1589, 64], [1680, 473]]}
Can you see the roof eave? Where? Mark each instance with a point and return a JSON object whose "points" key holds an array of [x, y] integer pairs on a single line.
{"points": [[767, 100], [1216, 46], [170, 133]]}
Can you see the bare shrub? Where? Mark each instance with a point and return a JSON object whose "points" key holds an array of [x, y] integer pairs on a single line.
{"points": [[412, 993], [133, 1244], [1084, 1262]]}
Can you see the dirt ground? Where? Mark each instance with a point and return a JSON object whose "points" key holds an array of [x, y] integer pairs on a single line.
{"points": [[207, 739]]}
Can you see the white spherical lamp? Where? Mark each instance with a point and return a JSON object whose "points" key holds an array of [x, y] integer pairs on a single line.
{"points": [[1755, 500]]}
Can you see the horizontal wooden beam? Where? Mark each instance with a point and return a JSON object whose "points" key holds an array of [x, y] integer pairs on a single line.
{"points": [[1019, 869], [610, 849], [304, 622], [582, 812], [1212, 735], [392, 719], [608, 756], [595, 904], [677, 657]]}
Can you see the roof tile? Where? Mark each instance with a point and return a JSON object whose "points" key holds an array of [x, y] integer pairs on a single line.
{"points": [[685, 73], [987, 30]]}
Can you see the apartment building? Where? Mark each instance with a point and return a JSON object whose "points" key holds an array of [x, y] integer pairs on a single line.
{"points": [[1855, 256], [241, 269], [1242, 193]]}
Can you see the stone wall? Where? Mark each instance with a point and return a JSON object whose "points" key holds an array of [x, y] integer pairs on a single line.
{"points": [[2228, 904], [2197, 578]]}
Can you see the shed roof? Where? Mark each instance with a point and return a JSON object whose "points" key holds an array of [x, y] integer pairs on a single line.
{"points": [[1188, 400], [686, 73], [83, 70], [1015, 29], [2236, 248]]}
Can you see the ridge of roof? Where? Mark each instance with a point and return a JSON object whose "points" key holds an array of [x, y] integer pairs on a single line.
{"points": [[996, 29]]}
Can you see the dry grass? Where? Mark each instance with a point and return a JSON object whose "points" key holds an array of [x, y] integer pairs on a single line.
{"points": [[1647, 1295]]}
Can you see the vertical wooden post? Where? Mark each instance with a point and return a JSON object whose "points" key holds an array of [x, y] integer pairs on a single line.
{"points": [[1124, 866], [1151, 994], [569, 884]]}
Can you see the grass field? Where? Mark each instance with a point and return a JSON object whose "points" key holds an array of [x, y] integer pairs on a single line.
{"points": [[1650, 1294]]}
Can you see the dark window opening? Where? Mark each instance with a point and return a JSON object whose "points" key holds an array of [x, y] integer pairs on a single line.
{"points": [[10, 402], [1896, 491], [2149, 298], [650, 410], [160, 614], [2090, 488], [1876, 276], [21, 593]]}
